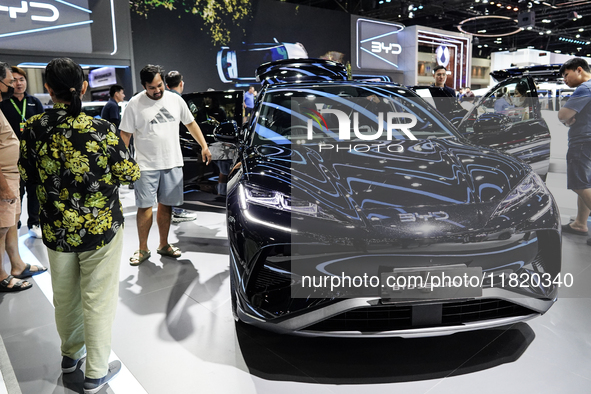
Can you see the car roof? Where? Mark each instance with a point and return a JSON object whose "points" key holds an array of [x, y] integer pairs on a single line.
{"points": [[354, 83], [300, 70], [544, 72]]}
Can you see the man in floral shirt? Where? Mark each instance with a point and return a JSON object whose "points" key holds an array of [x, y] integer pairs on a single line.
{"points": [[79, 163]]}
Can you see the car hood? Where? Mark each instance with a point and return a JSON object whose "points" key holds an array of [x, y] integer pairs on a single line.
{"points": [[423, 177]]}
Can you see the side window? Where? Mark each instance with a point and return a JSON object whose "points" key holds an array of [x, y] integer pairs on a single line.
{"points": [[514, 99]]}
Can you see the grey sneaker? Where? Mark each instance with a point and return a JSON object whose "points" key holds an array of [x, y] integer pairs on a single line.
{"points": [[182, 215], [92, 386], [35, 231]]}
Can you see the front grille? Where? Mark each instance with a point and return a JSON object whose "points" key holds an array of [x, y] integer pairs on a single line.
{"points": [[270, 279], [477, 310], [392, 317]]}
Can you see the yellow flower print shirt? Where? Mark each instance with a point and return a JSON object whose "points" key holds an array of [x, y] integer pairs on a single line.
{"points": [[77, 165]]}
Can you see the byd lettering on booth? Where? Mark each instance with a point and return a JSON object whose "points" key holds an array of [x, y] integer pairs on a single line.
{"points": [[24, 9], [391, 48]]}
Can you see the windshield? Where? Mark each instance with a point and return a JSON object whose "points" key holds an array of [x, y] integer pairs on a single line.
{"points": [[346, 112]]}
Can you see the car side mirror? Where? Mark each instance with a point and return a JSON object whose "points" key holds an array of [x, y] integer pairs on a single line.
{"points": [[226, 132], [491, 122]]}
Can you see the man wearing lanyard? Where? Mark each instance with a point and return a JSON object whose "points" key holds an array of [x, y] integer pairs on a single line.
{"points": [[17, 110]]}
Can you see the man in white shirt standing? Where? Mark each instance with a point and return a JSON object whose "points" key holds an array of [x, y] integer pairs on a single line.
{"points": [[152, 117]]}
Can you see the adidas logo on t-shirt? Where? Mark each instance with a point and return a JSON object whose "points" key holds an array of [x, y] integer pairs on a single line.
{"points": [[163, 116]]}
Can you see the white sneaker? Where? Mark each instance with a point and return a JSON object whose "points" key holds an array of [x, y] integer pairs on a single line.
{"points": [[35, 231]]}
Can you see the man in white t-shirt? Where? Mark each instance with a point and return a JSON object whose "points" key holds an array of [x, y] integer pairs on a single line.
{"points": [[152, 117]]}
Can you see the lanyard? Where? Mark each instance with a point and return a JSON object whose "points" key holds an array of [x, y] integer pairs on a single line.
{"points": [[22, 114]]}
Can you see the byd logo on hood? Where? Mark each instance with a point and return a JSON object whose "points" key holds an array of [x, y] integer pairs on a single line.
{"points": [[345, 124]]}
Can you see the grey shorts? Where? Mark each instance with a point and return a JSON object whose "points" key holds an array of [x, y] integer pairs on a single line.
{"points": [[164, 186], [578, 166]]}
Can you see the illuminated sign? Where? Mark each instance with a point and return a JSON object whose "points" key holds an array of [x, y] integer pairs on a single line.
{"points": [[13, 12], [377, 44], [103, 76], [443, 55], [54, 25]]}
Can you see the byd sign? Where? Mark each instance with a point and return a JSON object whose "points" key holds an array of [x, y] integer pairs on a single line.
{"points": [[35, 9]]}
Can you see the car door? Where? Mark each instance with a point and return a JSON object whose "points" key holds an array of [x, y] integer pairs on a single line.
{"points": [[209, 110], [509, 118]]}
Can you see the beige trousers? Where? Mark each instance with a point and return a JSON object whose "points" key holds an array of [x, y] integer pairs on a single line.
{"points": [[85, 292]]}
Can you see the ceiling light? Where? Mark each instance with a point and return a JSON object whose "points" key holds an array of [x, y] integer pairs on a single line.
{"points": [[529, 28], [499, 4], [546, 21], [479, 46], [557, 51], [548, 31], [486, 45], [509, 7], [420, 7], [578, 36], [541, 33], [578, 49], [581, 29], [531, 47], [515, 9], [481, 31]]}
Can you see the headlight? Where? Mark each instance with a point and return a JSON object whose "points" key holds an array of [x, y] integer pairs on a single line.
{"points": [[250, 194], [531, 185]]}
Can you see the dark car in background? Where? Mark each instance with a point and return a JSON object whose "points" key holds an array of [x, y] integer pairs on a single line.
{"points": [[341, 179], [508, 117]]}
